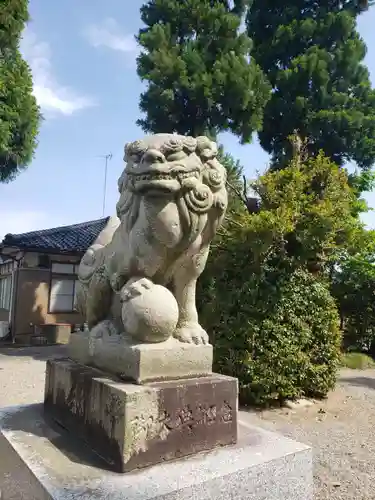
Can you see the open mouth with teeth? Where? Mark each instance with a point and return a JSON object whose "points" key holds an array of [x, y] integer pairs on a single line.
{"points": [[158, 180]]}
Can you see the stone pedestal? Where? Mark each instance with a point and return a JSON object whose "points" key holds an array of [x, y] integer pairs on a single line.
{"points": [[41, 461], [140, 362], [133, 426]]}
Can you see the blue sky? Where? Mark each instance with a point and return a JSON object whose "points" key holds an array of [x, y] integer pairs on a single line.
{"points": [[82, 54]]}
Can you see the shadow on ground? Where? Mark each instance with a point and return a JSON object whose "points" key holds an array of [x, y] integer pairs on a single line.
{"points": [[41, 353], [31, 419], [359, 382]]}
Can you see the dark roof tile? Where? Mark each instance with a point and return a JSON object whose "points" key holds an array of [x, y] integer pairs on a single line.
{"points": [[75, 238]]}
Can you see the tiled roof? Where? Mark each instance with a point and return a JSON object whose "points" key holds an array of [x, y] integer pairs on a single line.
{"points": [[75, 238]]}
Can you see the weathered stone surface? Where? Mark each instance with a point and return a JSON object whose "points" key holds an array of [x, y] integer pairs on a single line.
{"points": [[134, 426], [261, 466], [172, 200], [137, 362]]}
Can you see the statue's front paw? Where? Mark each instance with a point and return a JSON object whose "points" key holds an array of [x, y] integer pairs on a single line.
{"points": [[191, 333]]}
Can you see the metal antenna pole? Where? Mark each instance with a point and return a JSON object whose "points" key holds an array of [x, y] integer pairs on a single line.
{"points": [[106, 157]]}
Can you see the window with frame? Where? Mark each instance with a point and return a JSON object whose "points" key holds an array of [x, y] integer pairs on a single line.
{"points": [[5, 292], [63, 288]]}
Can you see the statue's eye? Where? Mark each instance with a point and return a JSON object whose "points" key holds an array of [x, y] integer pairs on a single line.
{"points": [[136, 157], [153, 156]]}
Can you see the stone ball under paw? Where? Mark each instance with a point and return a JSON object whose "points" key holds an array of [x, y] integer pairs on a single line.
{"points": [[149, 311]]}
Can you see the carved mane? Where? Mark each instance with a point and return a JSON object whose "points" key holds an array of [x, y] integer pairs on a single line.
{"points": [[197, 195]]}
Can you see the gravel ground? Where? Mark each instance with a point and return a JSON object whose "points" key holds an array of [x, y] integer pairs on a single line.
{"points": [[22, 371], [339, 429]]}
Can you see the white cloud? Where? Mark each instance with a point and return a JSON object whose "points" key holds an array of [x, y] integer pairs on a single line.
{"points": [[108, 34], [51, 96]]}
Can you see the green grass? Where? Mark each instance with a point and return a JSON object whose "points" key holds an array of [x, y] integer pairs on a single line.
{"points": [[357, 361]]}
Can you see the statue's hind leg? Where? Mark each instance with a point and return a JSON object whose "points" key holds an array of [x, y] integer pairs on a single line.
{"points": [[99, 298]]}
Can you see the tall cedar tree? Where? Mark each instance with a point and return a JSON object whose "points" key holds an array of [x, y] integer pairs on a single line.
{"points": [[313, 57], [198, 69], [19, 113]]}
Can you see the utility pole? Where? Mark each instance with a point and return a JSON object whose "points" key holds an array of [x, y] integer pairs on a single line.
{"points": [[106, 158]]}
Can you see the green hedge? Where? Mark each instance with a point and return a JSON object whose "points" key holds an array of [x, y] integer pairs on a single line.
{"points": [[277, 332], [264, 298]]}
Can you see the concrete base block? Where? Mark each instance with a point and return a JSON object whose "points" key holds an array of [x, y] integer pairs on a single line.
{"points": [[261, 466], [134, 426], [140, 363]]}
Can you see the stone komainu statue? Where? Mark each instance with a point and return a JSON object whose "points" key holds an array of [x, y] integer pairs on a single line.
{"points": [[141, 272]]}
